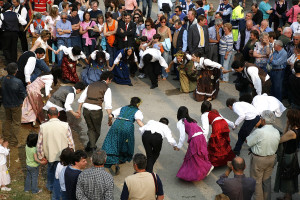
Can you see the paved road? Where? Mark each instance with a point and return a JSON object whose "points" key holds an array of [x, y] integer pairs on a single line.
{"points": [[164, 102]]}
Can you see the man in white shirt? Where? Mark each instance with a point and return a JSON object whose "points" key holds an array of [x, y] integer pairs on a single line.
{"points": [[91, 100], [264, 144], [152, 61], [63, 98], [152, 136], [296, 25], [246, 113]]}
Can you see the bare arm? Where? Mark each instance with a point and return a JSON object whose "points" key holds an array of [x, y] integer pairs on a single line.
{"points": [[288, 136], [139, 122]]}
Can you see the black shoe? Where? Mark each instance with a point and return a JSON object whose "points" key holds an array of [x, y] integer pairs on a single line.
{"points": [[153, 86], [88, 149], [130, 84], [176, 79]]}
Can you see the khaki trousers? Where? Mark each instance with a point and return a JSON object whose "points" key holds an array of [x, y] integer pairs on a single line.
{"points": [[12, 124], [261, 170]]}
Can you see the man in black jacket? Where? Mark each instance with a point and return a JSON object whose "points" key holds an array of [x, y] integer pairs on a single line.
{"points": [[125, 33]]}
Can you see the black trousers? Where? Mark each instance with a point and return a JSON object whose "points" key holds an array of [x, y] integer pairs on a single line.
{"points": [[153, 69], [23, 40], [152, 144], [9, 44], [93, 119]]}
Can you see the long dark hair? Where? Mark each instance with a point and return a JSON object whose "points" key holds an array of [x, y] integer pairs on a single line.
{"points": [[205, 107], [100, 58], [135, 101], [182, 113], [131, 57], [293, 116]]}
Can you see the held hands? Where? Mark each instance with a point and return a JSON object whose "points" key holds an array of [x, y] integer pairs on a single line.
{"points": [[44, 161], [229, 165], [176, 148]]}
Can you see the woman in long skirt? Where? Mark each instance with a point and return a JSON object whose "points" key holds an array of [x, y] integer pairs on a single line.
{"points": [[69, 62], [286, 153], [98, 62], [119, 142], [32, 108], [219, 149], [208, 78], [125, 65], [196, 165]]}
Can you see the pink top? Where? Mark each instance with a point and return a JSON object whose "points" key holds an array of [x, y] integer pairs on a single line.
{"points": [[289, 14], [130, 4], [149, 33], [88, 41]]}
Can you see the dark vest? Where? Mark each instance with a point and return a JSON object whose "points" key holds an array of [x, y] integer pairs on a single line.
{"points": [[10, 22], [179, 44], [59, 97], [243, 37], [222, 8], [21, 64], [95, 93], [261, 73]]}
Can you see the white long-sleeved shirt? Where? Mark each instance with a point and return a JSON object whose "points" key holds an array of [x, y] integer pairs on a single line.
{"points": [[29, 68], [205, 123], [264, 102], [23, 11], [107, 100], [156, 56], [94, 53], [119, 57], [137, 115], [67, 106], [245, 111], [3, 153], [68, 51], [21, 20], [253, 73], [48, 80], [160, 128], [206, 62]]}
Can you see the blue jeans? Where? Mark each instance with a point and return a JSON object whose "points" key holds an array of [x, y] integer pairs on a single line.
{"points": [[64, 195], [51, 174], [277, 83], [56, 193], [112, 52], [88, 49], [31, 181], [166, 55], [62, 42], [226, 64], [147, 3], [40, 67], [76, 41]]}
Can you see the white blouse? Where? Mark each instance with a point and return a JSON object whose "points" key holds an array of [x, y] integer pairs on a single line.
{"points": [[51, 23], [188, 57], [43, 44], [137, 115], [119, 57], [93, 55], [206, 62], [3, 153], [48, 80], [264, 102], [68, 51]]}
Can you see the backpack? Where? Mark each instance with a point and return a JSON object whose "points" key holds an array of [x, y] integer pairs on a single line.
{"points": [[38, 26]]}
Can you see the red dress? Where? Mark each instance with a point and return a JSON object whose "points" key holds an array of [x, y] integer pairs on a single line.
{"points": [[219, 148], [68, 67]]}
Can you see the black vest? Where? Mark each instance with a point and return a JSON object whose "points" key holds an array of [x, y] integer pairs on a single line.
{"points": [[226, 19], [179, 44], [10, 21], [21, 64], [243, 37], [59, 97]]}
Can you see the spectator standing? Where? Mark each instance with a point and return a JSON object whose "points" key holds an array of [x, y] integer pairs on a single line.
{"points": [[141, 184], [22, 11], [54, 136], [295, 26], [285, 38], [131, 5], [264, 143], [88, 43], [9, 23], [278, 61], [192, 18], [110, 30], [94, 12], [147, 4], [258, 15], [63, 33], [215, 33], [149, 30], [232, 187], [294, 84], [225, 9], [280, 9], [13, 94], [262, 51], [40, 6], [179, 13], [72, 172], [265, 8], [60, 6], [293, 12], [75, 22], [244, 36], [95, 182], [126, 33]]}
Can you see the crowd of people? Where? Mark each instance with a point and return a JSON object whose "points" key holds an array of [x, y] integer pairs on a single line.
{"points": [[191, 40]]}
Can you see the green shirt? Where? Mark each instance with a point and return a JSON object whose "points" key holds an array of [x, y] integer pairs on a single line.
{"points": [[30, 157]]}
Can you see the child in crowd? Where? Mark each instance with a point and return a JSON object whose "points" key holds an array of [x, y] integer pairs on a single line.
{"points": [[32, 164], [59, 188], [155, 43], [211, 12], [37, 26], [4, 175]]}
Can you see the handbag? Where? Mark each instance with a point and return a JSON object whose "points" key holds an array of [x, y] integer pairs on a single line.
{"points": [[92, 33], [167, 44]]}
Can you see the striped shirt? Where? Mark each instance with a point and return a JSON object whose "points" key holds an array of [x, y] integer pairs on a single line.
{"points": [[225, 44], [41, 5]]}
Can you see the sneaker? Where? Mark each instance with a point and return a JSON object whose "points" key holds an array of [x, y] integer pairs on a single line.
{"points": [[212, 167], [5, 189], [40, 190], [141, 76]]}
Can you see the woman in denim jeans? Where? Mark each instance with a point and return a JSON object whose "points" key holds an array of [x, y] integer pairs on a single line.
{"points": [[32, 164], [226, 50]]}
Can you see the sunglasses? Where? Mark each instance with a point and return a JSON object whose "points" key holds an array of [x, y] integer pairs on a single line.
{"points": [[148, 25], [136, 17], [64, 18], [177, 11], [163, 22]]}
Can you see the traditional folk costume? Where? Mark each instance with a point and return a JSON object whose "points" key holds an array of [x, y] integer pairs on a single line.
{"points": [[187, 74], [196, 165], [69, 62], [32, 108], [124, 67], [208, 79], [93, 71], [119, 141], [219, 148]]}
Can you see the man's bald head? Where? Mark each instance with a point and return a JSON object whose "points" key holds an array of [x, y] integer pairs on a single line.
{"points": [[249, 24], [238, 164], [52, 112]]}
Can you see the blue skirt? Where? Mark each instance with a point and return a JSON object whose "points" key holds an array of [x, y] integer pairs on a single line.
{"points": [[121, 74], [91, 74]]}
